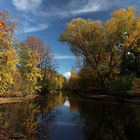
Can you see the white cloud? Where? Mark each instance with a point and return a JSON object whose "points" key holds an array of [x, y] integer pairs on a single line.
{"points": [[27, 5], [58, 57], [73, 8], [91, 6], [67, 75], [27, 28], [94, 6], [35, 28], [78, 7], [35, 13]]}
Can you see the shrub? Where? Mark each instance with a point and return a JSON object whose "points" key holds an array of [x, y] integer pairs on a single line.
{"points": [[136, 85], [121, 86]]}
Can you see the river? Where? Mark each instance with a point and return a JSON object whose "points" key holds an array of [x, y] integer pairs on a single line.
{"points": [[64, 117]]}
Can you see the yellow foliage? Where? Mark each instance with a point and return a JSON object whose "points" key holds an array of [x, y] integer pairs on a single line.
{"points": [[8, 59], [102, 46], [34, 73]]}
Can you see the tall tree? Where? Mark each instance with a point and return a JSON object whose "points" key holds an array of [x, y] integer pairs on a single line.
{"points": [[103, 46], [36, 64], [7, 53], [47, 61], [29, 68]]}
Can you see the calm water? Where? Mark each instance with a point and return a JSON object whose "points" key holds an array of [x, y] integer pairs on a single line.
{"points": [[69, 118]]}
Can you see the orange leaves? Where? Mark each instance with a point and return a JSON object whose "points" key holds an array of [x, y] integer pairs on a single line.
{"points": [[2, 24], [36, 44], [4, 14], [6, 30]]}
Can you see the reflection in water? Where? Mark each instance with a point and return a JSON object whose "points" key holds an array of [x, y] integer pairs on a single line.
{"points": [[67, 102], [18, 121], [69, 118]]}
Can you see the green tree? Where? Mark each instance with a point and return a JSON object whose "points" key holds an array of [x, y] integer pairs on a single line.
{"points": [[29, 68]]}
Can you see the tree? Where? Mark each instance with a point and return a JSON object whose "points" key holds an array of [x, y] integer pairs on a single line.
{"points": [[34, 73], [7, 53], [37, 45], [47, 61], [23, 54], [131, 58], [28, 67], [103, 46], [88, 80], [73, 83], [48, 66], [57, 82], [36, 64]]}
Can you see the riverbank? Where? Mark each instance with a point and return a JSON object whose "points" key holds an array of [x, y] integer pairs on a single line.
{"points": [[128, 99], [8, 100], [133, 97]]}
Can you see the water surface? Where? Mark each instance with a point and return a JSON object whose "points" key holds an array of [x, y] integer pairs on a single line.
{"points": [[61, 117]]}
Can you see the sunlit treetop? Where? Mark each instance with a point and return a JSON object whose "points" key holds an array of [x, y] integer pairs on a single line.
{"points": [[6, 30], [103, 45]]}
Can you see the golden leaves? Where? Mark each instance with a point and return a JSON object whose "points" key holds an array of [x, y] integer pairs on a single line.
{"points": [[101, 46], [7, 53]]}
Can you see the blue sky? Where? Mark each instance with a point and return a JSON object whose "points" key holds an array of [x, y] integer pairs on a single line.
{"points": [[46, 19]]}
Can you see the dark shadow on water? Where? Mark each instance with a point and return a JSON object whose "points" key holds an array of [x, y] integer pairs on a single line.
{"points": [[59, 117]]}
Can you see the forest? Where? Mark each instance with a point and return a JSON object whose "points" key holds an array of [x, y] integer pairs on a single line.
{"points": [[26, 67], [108, 57]]}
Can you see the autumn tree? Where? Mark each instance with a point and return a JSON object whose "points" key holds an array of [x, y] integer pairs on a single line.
{"points": [[73, 82], [7, 52], [57, 82], [47, 61], [23, 54], [37, 45], [34, 73], [88, 80], [48, 66], [104, 46], [28, 68], [36, 64]]}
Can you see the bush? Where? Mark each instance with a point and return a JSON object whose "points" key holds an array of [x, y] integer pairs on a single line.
{"points": [[121, 86], [136, 85]]}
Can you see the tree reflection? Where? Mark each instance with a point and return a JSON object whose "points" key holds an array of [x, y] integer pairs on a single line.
{"points": [[48, 113], [98, 120], [31, 123], [108, 122], [18, 121], [26, 120]]}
